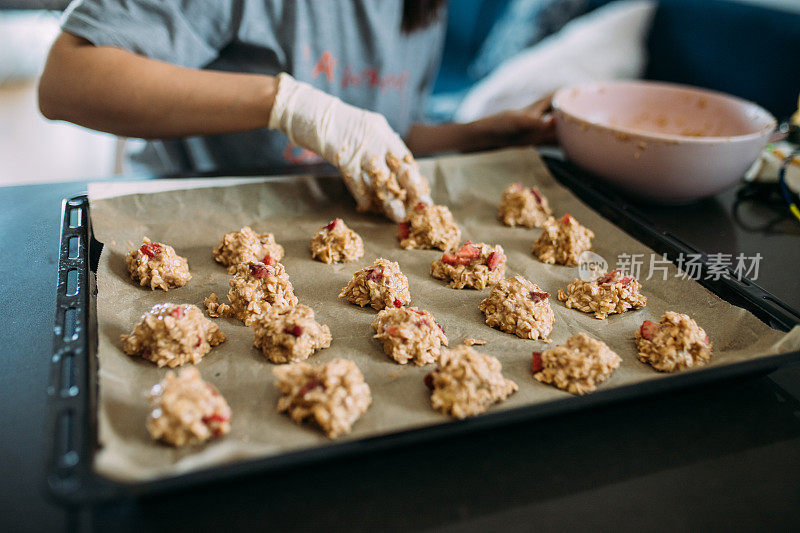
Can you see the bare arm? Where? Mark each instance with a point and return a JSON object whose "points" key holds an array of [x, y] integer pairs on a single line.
{"points": [[119, 92], [530, 125]]}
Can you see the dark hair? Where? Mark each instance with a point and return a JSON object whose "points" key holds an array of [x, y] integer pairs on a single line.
{"points": [[418, 14]]}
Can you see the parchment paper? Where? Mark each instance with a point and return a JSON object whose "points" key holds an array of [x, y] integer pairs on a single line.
{"points": [[193, 220]]}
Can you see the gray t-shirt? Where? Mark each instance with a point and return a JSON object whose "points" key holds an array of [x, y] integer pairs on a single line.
{"points": [[353, 49]]}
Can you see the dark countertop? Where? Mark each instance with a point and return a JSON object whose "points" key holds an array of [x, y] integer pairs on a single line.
{"points": [[722, 457]]}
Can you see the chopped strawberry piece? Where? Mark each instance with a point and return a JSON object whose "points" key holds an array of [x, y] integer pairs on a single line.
{"points": [[397, 303], [268, 260], [151, 249], [428, 380], [216, 417], [311, 385], [648, 329], [536, 364], [494, 259], [440, 326], [404, 230], [294, 330], [449, 259], [627, 280], [608, 276], [469, 251], [707, 340], [566, 219], [423, 322], [517, 186], [332, 224], [376, 274], [259, 271], [177, 312], [539, 296], [198, 343], [420, 206], [536, 195], [393, 331]]}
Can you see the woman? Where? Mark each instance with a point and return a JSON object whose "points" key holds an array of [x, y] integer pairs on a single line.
{"points": [[254, 83]]}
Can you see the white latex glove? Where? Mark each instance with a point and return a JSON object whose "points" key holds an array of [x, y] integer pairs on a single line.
{"points": [[377, 166]]}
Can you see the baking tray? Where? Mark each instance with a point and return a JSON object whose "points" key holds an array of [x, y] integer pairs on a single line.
{"points": [[72, 391]]}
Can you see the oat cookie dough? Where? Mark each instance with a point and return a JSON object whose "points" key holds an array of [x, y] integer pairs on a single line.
{"points": [[521, 206], [562, 241], [609, 293], [676, 342], [245, 246], [333, 395], [287, 334], [429, 226], [172, 335], [409, 334], [156, 265], [187, 410], [336, 243], [380, 285], [416, 190], [475, 265], [577, 366], [254, 289], [467, 382], [519, 306]]}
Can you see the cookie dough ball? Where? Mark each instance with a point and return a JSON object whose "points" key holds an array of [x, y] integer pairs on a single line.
{"points": [[429, 226], [187, 410], [523, 206], [333, 395], [409, 334], [477, 266], [156, 265], [172, 335], [609, 293], [520, 307], [336, 243], [254, 289], [381, 285], [287, 334], [577, 366], [467, 382], [562, 241], [245, 246], [674, 343]]}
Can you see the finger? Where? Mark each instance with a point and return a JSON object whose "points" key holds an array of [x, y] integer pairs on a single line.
{"points": [[387, 195], [410, 179], [360, 190], [542, 105], [415, 184]]}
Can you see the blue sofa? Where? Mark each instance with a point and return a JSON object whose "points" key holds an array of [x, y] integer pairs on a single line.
{"points": [[745, 49]]}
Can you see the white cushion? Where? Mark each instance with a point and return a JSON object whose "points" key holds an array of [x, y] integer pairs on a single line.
{"points": [[608, 43]]}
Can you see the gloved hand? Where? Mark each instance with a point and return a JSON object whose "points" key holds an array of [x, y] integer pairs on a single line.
{"points": [[377, 166]]}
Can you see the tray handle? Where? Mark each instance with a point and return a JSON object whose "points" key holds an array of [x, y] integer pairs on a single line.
{"points": [[69, 387]]}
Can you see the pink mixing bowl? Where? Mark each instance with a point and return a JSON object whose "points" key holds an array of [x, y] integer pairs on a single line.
{"points": [[665, 142]]}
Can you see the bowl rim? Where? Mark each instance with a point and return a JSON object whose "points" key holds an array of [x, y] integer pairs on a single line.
{"points": [[669, 137]]}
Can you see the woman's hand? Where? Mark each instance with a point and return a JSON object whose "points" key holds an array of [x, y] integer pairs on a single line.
{"points": [[518, 127], [377, 166], [530, 125]]}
